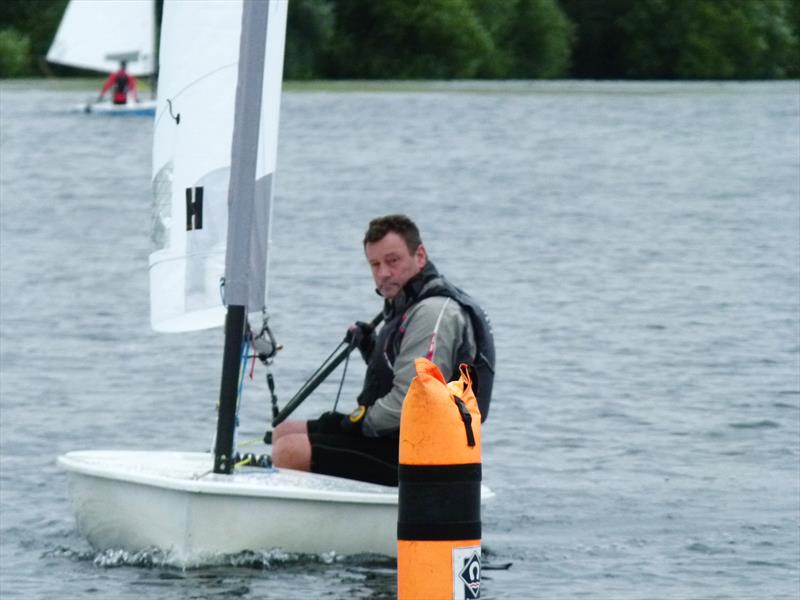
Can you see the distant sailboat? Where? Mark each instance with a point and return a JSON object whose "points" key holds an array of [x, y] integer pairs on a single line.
{"points": [[98, 34]]}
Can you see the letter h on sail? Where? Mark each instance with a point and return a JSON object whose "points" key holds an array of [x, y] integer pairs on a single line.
{"points": [[194, 208]]}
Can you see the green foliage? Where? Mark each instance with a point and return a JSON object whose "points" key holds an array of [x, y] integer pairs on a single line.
{"points": [[38, 21], [384, 39], [712, 39], [14, 53], [541, 38], [532, 38], [309, 30], [496, 18], [407, 39], [686, 39], [600, 39]]}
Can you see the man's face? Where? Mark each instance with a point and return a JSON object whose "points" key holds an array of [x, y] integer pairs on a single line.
{"points": [[392, 264]]}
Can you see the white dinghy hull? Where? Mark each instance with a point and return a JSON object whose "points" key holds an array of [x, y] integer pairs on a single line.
{"points": [[140, 500]]}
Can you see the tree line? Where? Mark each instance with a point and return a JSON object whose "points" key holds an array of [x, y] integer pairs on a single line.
{"points": [[492, 39]]}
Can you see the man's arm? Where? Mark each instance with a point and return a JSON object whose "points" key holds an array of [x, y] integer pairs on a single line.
{"points": [[384, 416]]}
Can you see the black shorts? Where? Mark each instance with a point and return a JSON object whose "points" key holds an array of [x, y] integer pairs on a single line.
{"points": [[350, 454]]}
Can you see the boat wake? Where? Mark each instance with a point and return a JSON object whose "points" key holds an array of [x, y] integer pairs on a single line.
{"points": [[273, 559]]}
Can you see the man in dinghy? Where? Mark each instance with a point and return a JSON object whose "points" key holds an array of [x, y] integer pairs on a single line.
{"points": [[123, 84], [424, 315]]}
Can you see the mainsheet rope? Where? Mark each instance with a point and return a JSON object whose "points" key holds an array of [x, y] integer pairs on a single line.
{"points": [[240, 397], [246, 345]]}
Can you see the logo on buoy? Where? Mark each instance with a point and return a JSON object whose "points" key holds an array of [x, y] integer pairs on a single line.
{"points": [[467, 563]]}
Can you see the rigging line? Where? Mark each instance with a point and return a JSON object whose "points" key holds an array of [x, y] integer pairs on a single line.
{"points": [[241, 463], [242, 372], [191, 83], [253, 364], [341, 383], [322, 366], [177, 117], [251, 442], [335, 350], [242, 369], [196, 476]]}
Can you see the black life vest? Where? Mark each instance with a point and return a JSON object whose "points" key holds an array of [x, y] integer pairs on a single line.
{"points": [[380, 375], [482, 366], [121, 83]]}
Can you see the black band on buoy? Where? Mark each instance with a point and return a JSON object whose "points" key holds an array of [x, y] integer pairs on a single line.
{"points": [[427, 510]]}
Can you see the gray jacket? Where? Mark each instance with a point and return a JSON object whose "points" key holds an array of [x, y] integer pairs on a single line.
{"points": [[436, 328]]}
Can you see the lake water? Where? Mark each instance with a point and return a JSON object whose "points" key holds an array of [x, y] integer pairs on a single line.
{"points": [[638, 248]]}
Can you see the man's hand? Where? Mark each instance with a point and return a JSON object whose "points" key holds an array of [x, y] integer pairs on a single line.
{"points": [[362, 336], [336, 422]]}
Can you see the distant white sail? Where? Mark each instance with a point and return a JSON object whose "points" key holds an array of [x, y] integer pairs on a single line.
{"points": [[97, 34], [192, 155]]}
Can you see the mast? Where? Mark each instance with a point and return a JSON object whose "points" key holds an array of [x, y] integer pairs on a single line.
{"points": [[156, 38], [241, 210]]}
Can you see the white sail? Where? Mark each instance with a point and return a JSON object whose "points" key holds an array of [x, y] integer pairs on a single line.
{"points": [[192, 155], [97, 34]]}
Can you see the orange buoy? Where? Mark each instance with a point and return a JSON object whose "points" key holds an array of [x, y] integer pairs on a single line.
{"points": [[439, 518]]}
